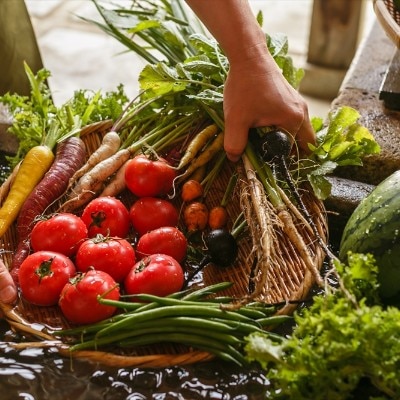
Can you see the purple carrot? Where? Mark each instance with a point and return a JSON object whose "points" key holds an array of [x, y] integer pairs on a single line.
{"points": [[70, 156]]}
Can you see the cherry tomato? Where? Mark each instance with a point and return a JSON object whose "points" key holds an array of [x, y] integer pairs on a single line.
{"points": [[79, 297], [62, 233], [148, 213], [166, 240], [157, 274], [113, 255], [107, 216], [42, 276], [149, 177]]}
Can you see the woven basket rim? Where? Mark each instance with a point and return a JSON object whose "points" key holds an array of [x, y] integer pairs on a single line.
{"points": [[389, 19]]}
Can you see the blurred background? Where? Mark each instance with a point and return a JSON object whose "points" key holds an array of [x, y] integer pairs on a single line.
{"points": [[80, 56]]}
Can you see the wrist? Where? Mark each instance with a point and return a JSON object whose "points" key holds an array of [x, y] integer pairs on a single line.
{"points": [[251, 57]]}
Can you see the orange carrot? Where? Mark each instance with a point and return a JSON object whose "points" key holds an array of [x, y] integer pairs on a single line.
{"points": [[218, 217], [191, 190], [195, 216]]}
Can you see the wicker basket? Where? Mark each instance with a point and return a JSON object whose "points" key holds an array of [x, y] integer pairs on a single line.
{"points": [[288, 278], [389, 18]]}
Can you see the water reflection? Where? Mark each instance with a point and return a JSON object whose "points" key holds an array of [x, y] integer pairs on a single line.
{"points": [[39, 374]]}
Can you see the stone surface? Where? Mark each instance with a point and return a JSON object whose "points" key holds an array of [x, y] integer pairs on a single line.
{"points": [[390, 90], [346, 194], [360, 90]]}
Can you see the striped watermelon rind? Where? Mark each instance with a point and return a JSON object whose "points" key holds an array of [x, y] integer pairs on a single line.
{"points": [[374, 227]]}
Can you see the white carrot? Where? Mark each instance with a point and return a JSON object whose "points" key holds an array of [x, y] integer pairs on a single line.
{"points": [[91, 183], [117, 183], [110, 144]]}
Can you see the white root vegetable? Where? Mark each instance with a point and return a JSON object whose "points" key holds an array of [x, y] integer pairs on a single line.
{"points": [[92, 182], [264, 226], [110, 144], [270, 225], [117, 183]]}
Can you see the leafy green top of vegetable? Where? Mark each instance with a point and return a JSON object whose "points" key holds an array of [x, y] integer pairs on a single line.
{"points": [[187, 69], [30, 114], [37, 120], [191, 67], [337, 343]]}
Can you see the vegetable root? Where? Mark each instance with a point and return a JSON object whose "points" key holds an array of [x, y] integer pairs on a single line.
{"points": [[34, 166], [195, 216], [6, 185], [204, 157], [218, 217], [273, 223], [117, 183], [109, 146], [91, 183], [191, 190], [198, 142]]}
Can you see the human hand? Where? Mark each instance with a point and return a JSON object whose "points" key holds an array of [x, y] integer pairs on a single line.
{"points": [[256, 94], [8, 289]]}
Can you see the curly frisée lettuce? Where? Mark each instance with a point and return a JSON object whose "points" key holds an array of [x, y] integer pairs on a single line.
{"points": [[338, 344]]}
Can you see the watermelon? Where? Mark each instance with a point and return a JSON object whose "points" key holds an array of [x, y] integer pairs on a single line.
{"points": [[374, 227]]}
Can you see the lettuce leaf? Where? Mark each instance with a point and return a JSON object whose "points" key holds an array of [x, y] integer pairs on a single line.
{"points": [[337, 344]]}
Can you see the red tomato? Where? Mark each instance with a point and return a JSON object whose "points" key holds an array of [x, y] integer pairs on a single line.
{"points": [[148, 177], [113, 255], [107, 216], [150, 213], [166, 240], [62, 233], [42, 276], [78, 300], [157, 274]]}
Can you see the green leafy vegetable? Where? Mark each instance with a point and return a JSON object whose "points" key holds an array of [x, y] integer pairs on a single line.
{"points": [[343, 141], [338, 343], [33, 115]]}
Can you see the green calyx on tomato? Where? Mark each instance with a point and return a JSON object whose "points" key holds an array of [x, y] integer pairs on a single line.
{"points": [[106, 215], [44, 269], [97, 218], [142, 264], [100, 238]]}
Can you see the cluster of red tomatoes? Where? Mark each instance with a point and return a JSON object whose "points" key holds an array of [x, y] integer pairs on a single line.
{"points": [[75, 259]]}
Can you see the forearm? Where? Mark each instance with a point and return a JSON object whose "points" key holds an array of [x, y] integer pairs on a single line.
{"points": [[219, 16]]}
